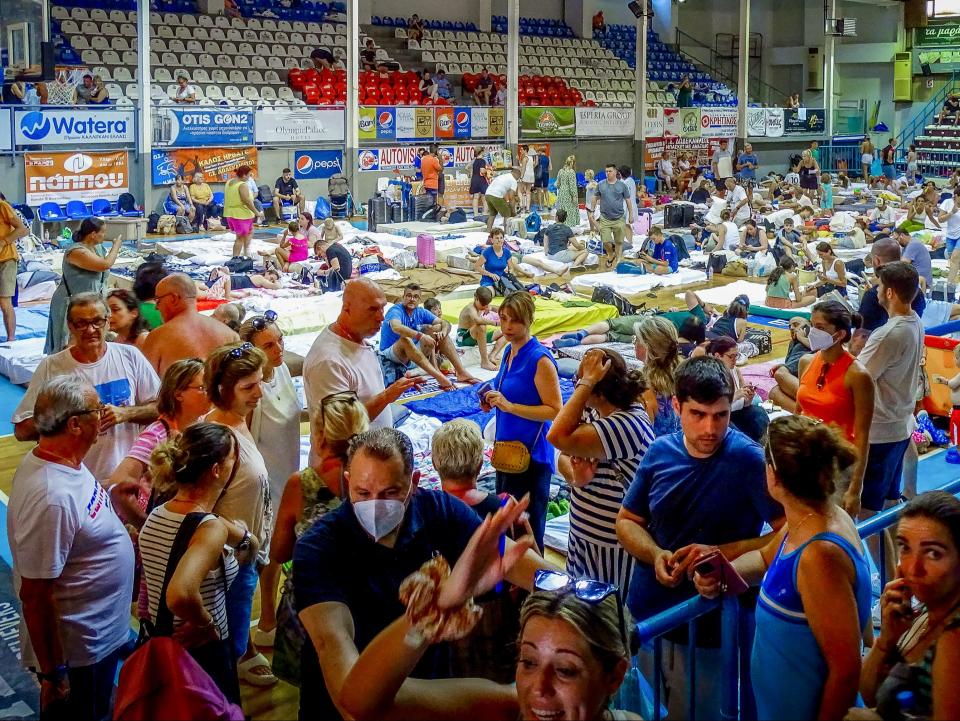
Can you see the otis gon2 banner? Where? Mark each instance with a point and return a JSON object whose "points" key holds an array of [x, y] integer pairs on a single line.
{"points": [[403, 156], [59, 177]]}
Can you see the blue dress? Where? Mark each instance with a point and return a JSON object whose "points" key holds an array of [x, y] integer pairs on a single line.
{"points": [[493, 263], [666, 421], [787, 666]]}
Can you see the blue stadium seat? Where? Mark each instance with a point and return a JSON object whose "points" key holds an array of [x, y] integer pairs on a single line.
{"points": [[77, 210], [103, 208], [51, 213]]}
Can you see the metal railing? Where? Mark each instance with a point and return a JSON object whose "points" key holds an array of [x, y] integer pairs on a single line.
{"points": [[840, 158], [736, 633], [920, 120]]}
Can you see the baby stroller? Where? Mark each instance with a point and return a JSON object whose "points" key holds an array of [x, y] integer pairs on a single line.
{"points": [[338, 188]]}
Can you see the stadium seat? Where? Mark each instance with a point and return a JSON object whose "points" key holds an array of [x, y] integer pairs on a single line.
{"points": [[77, 210], [103, 208]]}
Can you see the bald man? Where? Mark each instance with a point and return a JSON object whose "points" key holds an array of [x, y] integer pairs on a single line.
{"points": [[339, 360], [883, 251], [184, 333]]}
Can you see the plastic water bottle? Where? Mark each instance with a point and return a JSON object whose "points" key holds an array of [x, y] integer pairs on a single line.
{"points": [[709, 271]]}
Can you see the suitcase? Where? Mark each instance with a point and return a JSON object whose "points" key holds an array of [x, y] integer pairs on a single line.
{"points": [[426, 250], [641, 226], [377, 212], [418, 205], [678, 215]]}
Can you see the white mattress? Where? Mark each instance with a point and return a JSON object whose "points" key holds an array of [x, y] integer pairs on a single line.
{"points": [[626, 284], [724, 294], [554, 265], [19, 360]]}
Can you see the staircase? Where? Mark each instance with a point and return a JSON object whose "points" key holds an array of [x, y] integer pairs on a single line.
{"points": [[938, 146]]}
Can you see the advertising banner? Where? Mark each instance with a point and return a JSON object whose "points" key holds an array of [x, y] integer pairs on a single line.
{"points": [[774, 122], [443, 120], [461, 123], [547, 122], [804, 121], [497, 123], [276, 126], [479, 122], [317, 164], [367, 120], [6, 139], [653, 121], [941, 34], [756, 122], [605, 122], [718, 122], [423, 123], [386, 123], [671, 122], [689, 121], [406, 123], [702, 148], [403, 156], [219, 164], [74, 126], [59, 177], [197, 127]]}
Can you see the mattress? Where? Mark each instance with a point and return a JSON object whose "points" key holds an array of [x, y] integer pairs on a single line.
{"points": [[32, 322], [297, 316], [626, 350], [550, 316], [19, 359], [555, 266], [626, 284]]}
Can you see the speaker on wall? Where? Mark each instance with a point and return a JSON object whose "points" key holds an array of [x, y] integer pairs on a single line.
{"points": [[925, 69]]}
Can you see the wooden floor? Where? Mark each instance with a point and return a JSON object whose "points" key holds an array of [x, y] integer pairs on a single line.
{"points": [[281, 701]]}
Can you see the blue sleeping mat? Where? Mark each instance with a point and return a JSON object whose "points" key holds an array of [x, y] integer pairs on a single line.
{"points": [[465, 403], [32, 322]]}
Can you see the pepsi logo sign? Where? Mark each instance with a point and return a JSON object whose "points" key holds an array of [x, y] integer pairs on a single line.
{"points": [[463, 119], [385, 120], [304, 164]]}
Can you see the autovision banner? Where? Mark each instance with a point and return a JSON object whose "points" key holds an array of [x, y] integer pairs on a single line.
{"points": [[548, 122], [403, 156], [73, 126], [202, 126]]}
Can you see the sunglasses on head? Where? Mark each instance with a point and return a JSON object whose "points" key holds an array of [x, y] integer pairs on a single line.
{"points": [[261, 322], [587, 590]]}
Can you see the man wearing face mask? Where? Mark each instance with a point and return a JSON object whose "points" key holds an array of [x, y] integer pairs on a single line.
{"points": [[883, 251], [349, 565]]}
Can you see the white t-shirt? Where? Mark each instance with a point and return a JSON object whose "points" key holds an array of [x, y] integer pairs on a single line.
{"points": [[887, 214], [275, 426], [502, 184], [61, 526], [247, 498], [731, 240], [186, 91], [734, 198], [334, 364], [805, 201], [792, 178], [666, 168], [122, 377], [953, 222]]}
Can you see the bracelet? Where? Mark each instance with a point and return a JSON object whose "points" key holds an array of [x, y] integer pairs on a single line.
{"points": [[420, 593]]}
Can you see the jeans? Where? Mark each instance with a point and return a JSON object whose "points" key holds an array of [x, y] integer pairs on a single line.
{"points": [[218, 660], [535, 481], [91, 690], [240, 606], [203, 212]]}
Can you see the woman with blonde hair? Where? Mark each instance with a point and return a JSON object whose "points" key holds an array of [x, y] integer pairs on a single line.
{"points": [[658, 346], [567, 198], [308, 495]]}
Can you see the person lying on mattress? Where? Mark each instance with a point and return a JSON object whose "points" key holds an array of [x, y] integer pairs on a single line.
{"points": [[223, 284], [413, 336], [620, 329], [560, 246], [478, 325], [664, 259]]}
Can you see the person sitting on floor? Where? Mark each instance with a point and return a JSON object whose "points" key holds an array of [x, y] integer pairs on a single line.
{"points": [[478, 326], [744, 415], [410, 335], [561, 246], [784, 394], [664, 259]]}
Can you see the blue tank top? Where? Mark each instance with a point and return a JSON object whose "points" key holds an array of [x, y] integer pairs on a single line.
{"points": [[787, 666], [666, 421]]}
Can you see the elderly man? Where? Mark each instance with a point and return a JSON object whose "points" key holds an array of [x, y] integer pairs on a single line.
{"points": [[738, 202], [286, 191], [72, 557], [411, 335], [339, 360], [184, 333], [122, 377], [390, 528]]}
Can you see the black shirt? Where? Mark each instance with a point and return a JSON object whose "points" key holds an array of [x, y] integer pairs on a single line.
{"points": [[343, 255], [558, 235], [484, 82], [873, 313], [286, 187]]}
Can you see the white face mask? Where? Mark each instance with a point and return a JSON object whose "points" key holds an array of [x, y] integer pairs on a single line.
{"points": [[819, 339], [379, 517]]}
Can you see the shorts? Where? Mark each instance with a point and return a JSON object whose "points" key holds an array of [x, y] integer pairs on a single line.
{"points": [[564, 256], [866, 159], [391, 356], [465, 340], [498, 206], [677, 317], [240, 226], [882, 477], [889, 171], [951, 243], [621, 329], [541, 181], [8, 278]]}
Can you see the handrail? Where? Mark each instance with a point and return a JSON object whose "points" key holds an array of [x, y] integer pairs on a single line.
{"points": [[675, 616], [887, 518], [920, 119]]}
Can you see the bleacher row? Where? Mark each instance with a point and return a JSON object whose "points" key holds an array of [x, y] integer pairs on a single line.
{"points": [[73, 210], [305, 10]]}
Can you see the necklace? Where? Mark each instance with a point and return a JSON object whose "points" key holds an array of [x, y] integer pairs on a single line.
{"points": [[804, 520], [190, 502], [51, 456]]}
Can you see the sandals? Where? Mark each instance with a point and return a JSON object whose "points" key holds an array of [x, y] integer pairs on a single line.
{"points": [[245, 671], [264, 639]]}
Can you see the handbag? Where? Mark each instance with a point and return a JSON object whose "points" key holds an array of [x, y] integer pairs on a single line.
{"points": [[511, 456]]}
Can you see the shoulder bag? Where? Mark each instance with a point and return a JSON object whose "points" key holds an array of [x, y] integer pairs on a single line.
{"points": [[512, 456]]}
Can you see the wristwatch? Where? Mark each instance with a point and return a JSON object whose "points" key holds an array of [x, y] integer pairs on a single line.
{"points": [[244, 544], [56, 676]]}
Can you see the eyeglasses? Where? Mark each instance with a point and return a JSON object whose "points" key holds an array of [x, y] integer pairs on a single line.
{"points": [[98, 410], [83, 325], [822, 378], [589, 591], [202, 388], [261, 322], [158, 298]]}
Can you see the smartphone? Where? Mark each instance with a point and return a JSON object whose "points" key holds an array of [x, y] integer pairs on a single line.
{"points": [[715, 565]]}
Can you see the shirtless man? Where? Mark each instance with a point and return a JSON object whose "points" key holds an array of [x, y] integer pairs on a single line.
{"points": [[184, 333], [474, 329]]}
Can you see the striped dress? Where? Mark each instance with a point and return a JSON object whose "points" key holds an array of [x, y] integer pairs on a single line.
{"points": [[593, 549], [156, 542]]}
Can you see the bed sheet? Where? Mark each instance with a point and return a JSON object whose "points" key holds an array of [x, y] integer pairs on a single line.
{"points": [[555, 265], [626, 284], [626, 350], [19, 359], [551, 317], [32, 322], [296, 316]]}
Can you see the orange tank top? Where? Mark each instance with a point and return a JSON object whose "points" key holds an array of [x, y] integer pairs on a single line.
{"points": [[833, 402]]}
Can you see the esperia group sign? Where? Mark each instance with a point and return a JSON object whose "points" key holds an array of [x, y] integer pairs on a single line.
{"points": [[943, 34]]}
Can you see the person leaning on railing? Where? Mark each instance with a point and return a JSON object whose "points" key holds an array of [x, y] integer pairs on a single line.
{"points": [[815, 597]]}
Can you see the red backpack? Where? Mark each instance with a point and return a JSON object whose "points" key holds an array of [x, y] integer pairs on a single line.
{"points": [[161, 679]]}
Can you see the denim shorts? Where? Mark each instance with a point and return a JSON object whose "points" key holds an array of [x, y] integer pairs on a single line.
{"points": [[882, 477], [951, 243]]}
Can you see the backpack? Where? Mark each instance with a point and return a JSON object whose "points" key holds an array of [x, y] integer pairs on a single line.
{"points": [[605, 294], [161, 663], [126, 203], [458, 216], [183, 225], [167, 224], [264, 194], [761, 338], [506, 284], [152, 220], [239, 264], [533, 222]]}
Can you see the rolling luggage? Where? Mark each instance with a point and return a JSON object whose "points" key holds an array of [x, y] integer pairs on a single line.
{"points": [[678, 215], [426, 250]]}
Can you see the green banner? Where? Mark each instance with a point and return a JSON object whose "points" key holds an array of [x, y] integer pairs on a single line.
{"points": [[548, 122], [939, 35]]}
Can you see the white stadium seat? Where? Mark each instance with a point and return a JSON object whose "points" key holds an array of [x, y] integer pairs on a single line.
{"points": [[219, 76], [268, 93], [123, 75], [285, 93], [214, 92], [251, 93], [232, 92], [162, 75], [200, 76], [79, 43]]}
